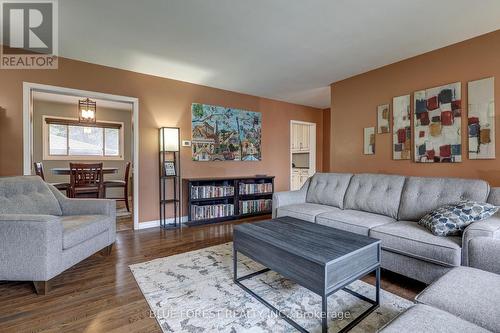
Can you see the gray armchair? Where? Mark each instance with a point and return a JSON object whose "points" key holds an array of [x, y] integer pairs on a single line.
{"points": [[43, 233]]}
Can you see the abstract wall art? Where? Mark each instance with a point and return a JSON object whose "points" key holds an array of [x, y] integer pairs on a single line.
{"points": [[225, 134], [437, 124], [383, 119], [369, 141], [481, 119], [401, 128]]}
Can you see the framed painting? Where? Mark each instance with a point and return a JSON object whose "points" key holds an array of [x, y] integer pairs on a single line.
{"points": [[225, 134], [383, 119], [369, 141], [437, 124], [401, 128], [481, 119]]}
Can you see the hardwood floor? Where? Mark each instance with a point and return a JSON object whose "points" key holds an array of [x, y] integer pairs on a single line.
{"points": [[100, 294], [124, 219]]}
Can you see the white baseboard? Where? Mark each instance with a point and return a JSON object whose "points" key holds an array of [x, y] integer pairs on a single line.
{"points": [[156, 223]]}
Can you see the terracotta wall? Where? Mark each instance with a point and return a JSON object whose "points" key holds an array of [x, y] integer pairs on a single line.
{"points": [[163, 102], [354, 103]]}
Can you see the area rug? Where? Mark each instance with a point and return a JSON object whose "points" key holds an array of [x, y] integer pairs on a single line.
{"points": [[194, 292]]}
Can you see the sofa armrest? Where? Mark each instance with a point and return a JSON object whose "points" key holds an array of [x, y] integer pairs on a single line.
{"points": [[30, 247], [487, 228], [484, 253], [281, 199]]}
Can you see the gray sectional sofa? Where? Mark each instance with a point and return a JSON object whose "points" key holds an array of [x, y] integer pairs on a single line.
{"points": [[464, 300], [388, 207], [43, 233]]}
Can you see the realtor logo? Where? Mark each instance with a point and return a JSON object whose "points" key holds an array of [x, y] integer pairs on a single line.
{"points": [[29, 34]]}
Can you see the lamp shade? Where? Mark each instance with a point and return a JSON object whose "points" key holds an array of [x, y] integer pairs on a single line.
{"points": [[169, 139]]}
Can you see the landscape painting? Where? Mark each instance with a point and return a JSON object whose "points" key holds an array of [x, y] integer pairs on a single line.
{"points": [[401, 128], [481, 119], [383, 119], [437, 124], [225, 134]]}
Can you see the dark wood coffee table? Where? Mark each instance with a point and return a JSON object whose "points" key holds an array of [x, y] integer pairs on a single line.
{"points": [[319, 258]]}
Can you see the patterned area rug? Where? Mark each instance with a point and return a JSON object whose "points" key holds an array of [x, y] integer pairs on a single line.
{"points": [[194, 292]]}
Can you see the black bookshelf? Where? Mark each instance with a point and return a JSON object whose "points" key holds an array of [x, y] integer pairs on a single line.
{"points": [[212, 195]]}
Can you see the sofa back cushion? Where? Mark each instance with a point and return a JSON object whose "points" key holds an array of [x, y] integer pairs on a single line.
{"points": [[422, 195], [328, 189], [374, 193], [27, 195]]}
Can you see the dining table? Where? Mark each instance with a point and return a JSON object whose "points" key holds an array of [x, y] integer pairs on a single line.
{"points": [[66, 171]]}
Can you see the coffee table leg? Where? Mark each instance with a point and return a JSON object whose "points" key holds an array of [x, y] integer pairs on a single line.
{"points": [[235, 265], [324, 314], [377, 286]]}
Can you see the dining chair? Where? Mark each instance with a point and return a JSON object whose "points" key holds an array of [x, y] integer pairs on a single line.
{"points": [[63, 187], [120, 183], [86, 180]]}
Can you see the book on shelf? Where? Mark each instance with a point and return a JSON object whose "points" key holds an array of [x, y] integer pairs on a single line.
{"points": [[255, 188], [255, 206], [210, 191], [211, 211]]}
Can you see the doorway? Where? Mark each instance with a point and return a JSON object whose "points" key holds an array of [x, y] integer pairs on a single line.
{"points": [[302, 152], [53, 136]]}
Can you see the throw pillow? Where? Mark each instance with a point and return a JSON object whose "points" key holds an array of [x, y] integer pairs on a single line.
{"points": [[451, 220]]}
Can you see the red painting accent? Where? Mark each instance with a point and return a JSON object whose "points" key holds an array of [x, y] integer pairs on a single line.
{"points": [[447, 118], [445, 151], [432, 103]]}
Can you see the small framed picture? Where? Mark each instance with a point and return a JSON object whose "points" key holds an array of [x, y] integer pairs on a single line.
{"points": [[169, 168]]}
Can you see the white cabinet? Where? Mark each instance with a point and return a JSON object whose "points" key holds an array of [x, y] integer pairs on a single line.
{"points": [[304, 174], [299, 177], [295, 180], [296, 137], [300, 137], [305, 142]]}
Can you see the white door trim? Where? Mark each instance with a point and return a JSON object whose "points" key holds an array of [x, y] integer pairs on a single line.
{"points": [[312, 149], [28, 89]]}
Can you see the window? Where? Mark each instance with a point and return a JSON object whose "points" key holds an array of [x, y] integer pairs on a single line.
{"points": [[68, 139]]}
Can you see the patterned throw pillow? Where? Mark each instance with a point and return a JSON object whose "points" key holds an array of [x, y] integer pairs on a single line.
{"points": [[451, 220]]}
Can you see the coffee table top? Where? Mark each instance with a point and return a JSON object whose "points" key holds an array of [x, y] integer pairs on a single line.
{"points": [[317, 243]]}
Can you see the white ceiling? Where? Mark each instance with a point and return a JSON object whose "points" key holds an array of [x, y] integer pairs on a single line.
{"points": [[288, 50], [73, 100]]}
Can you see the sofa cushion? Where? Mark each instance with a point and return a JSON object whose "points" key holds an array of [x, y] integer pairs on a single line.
{"points": [[423, 319], [423, 195], [353, 220], [379, 194], [451, 220], [328, 189], [413, 240], [468, 293], [79, 228], [27, 195], [305, 211], [494, 196]]}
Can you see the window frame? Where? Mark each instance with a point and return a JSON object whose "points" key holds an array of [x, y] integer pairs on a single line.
{"points": [[46, 142]]}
